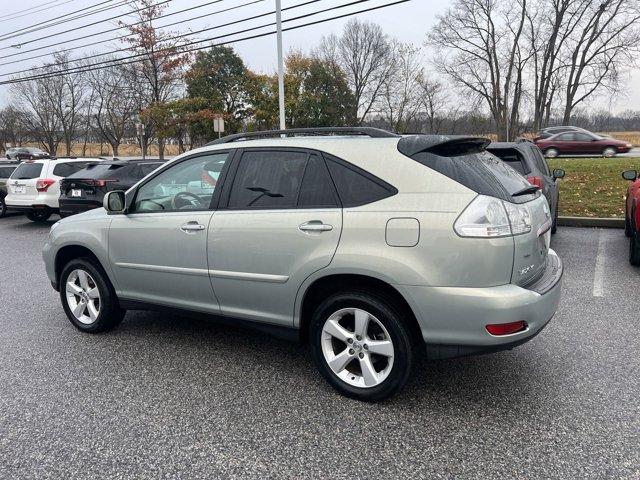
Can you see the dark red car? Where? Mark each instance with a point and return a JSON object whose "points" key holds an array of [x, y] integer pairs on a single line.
{"points": [[581, 143], [632, 216]]}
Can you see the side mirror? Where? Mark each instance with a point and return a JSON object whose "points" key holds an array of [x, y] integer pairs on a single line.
{"points": [[114, 202], [558, 173], [630, 175]]}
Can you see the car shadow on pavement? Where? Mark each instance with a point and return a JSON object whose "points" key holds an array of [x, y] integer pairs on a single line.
{"points": [[501, 380]]}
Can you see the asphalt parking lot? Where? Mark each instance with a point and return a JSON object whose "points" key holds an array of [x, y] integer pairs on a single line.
{"points": [[168, 397]]}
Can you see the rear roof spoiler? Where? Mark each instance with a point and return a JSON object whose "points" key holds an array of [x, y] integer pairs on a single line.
{"points": [[444, 145]]}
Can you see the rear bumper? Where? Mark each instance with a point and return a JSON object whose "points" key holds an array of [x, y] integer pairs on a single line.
{"points": [[31, 202], [31, 208], [453, 319], [73, 207]]}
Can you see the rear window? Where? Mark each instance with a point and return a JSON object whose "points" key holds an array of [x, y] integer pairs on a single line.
{"points": [[482, 172], [513, 158], [66, 169], [27, 171], [97, 171]]}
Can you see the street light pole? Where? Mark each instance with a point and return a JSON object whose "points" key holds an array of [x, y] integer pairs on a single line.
{"points": [[280, 64]]}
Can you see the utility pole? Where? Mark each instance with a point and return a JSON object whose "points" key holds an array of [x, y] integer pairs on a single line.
{"points": [[280, 64]]}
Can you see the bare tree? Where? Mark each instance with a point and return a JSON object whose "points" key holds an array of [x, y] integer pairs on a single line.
{"points": [[364, 53], [114, 107], [479, 45], [11, 126], [36, 99], [400, 100], [434, 101]]}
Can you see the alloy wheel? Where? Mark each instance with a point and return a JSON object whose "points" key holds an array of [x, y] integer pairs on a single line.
{"points": [[83, 296], [357, 347]]}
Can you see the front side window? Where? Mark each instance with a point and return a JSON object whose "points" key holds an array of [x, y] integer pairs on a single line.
{"points": [[566, 137], [188, 185], [268, 179]]}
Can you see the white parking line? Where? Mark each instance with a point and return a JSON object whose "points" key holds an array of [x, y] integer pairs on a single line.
{"points": [[598, 275]]}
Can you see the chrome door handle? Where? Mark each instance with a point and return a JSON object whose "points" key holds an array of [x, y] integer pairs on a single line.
{"points": [[192, 227], [315, 226]]}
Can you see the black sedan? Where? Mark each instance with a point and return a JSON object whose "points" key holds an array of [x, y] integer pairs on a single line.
{"points": [[85, 189]]}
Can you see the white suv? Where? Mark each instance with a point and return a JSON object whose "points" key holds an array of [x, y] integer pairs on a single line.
{"points": [[34, 187]]}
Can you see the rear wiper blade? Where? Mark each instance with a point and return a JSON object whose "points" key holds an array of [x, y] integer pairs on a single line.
{"points": [[526, 191]]}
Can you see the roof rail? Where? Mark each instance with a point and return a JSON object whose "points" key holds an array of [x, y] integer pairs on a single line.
{"points": [[366, 131]]}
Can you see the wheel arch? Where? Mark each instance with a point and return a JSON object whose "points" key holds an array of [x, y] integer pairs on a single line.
{"points": [[70, 252], [320, 288]]}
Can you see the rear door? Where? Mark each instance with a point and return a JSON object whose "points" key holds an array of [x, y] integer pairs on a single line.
{"points": [[23, 181], [585, 143], [281, 222]]}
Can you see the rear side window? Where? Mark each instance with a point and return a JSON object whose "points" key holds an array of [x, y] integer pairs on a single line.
{"points": [[5, 172], [317, 190], [66, 169], [268, 179], [355, 186], [27, 171], [146, 168]]}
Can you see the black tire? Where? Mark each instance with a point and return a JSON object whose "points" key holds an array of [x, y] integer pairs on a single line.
{"points": [[391, 317], [627, 226], [554, 225], [39, 216], [634, 246], [110, 314], [3, 207]]}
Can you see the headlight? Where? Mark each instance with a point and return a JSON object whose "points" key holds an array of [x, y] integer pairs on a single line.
{"points": [[488, 217], [628, 145]]}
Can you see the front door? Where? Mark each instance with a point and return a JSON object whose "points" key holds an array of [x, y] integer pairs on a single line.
{"points": [[281, 223], [158, 249]]}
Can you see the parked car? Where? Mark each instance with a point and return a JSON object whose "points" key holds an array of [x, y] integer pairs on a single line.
{"points": [[34, 187], [6, 169], [85, 189], [364, 243], [581, 143], [551, 131], [25, 153], [632, 216], [527, 160]]}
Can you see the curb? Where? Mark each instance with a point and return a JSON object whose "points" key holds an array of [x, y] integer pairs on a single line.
{"points": [[591, 222]]}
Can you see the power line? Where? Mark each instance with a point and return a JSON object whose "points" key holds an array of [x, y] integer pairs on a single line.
{"points": [[32, 10], [16, 33], [98, 66], [120, 28], [176, 37], [85, 26]]}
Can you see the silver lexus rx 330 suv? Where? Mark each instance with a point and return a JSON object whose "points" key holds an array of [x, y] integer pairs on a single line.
{"points": [[366, 244]]}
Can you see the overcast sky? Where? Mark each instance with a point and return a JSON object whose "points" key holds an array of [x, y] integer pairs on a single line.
{"points": [[408, 22]]}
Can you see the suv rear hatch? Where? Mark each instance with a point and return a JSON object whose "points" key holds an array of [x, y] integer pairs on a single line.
{"points": [[465, 160], [24, 179]]}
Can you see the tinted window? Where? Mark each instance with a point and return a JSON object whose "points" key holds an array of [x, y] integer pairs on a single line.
{"points": [[482, 172], [355, 187], [268, 179], [188, 185], [317, 189], [540, 161], [147, 168], [5, 172], [513, 158], [66, 169], [27, 171]]}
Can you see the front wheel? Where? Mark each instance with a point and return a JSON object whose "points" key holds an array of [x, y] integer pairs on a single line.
{"points": [[634, 247], [609, 152], [361, 345], [39, 216], [3, 207], [88, 297]]}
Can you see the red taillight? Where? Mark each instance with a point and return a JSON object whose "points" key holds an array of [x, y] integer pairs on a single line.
{"points": [[506, 328], [44, 184], [102, 183], [537, 181]]}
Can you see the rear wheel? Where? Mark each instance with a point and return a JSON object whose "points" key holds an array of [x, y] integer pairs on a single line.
{"points": [[609, 152], [39, 216], [361, 345], [88, 297], [551, 152]]}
